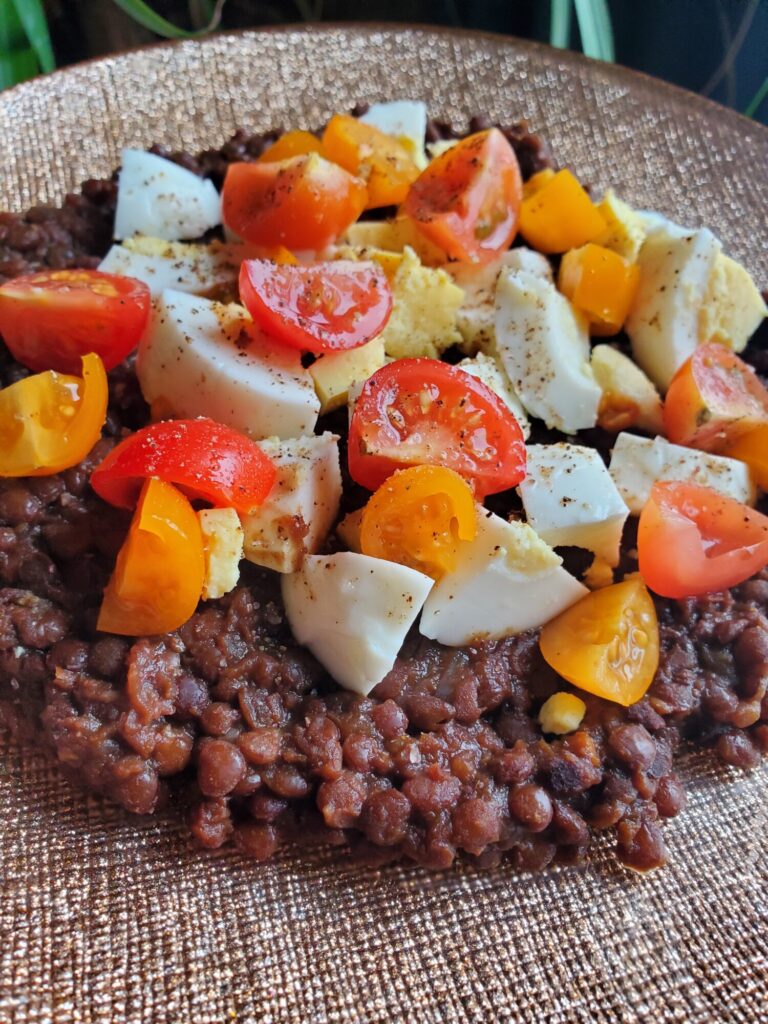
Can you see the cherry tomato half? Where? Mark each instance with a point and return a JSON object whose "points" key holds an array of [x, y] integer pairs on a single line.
{"points": [[303, 203], [207, 460], [51, 320], [160, 569], [419, 517], [322, 308], [467, 201], [422, 411], [692, 540], [380, 160], [713, 399]]}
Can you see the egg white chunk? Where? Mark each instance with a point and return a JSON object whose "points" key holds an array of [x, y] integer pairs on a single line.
{"points": [[302, 506], [406, 120], [198, 269], [663, 323], [506, 580], [158, 197], [353, 612], [638, 462], [543, 345], [490, 371], [202, 358], [570, 499]]}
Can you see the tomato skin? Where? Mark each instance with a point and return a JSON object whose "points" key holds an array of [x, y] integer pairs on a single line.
{"points": [[607, 643], [326, 307], [42, 430], [160, 569], [303, 203], [467, 201], [714, 399], [752, 448], [379, 159], [296, 143], [419, 517], [692, 540], [425, 412], [207, 460], [50, 320]]}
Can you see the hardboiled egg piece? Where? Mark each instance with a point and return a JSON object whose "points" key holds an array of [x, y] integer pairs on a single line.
{"points": [[638, 462], [223, 546], [353, 612], [406, 120], [625, 387], [203, 358], [199, 269], [490, 371], [505, 581], [158, 197], [570, 499]]}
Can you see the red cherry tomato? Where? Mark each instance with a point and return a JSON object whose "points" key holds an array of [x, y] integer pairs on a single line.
{"points": [[205, 459], [424, 412], [467, 201], [692, 540], [322, 308], [301, 203], [51, 320], [714, 399]]}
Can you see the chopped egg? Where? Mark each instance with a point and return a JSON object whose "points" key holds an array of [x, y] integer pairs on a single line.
{"points": [[202, 358], [491, 372], [562, 713], [406, 120], [625, 231], [210, 270], [348, 530], [544, 347], [570, 499], [334, 372], [158, 197], [626, 391], [436, 149], [663, 323], [733, 308], [638, 462], [393, 236], [302, 506], [223, 546], [505, 581], [353, 612]]}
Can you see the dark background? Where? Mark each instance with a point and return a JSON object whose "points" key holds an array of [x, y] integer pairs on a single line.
{"points": [[682, 41]]}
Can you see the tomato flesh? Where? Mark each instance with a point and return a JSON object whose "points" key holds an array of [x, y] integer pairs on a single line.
{"points": [[607, 643], [206, 460], [379, 159], [714, 399], [50, 421], [467, 201], [326, 307], [160, 569], [419, 517], [424, 412], [303, 203], [691, 540], [50, 320]]}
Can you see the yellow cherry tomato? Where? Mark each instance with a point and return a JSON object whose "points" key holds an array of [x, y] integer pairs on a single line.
{"points": [[419, 517], [160, 570], [601, 284], [559, 215], [297, 143], [752, 448], [607, 643], [50, 421], [379, 159]]}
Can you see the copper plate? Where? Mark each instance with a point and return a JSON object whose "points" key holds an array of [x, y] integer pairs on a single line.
{"points": [[104, 918]]}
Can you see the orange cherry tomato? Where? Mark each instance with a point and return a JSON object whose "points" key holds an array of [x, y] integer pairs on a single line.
{"points": [[304, 203], [160, 570], [752, 448], [419, 517], [601, 284], [692, 540], [297, 143], [49, 422], [51, 320], [607, 643], [560, 215], [467, 200], [713, 399], [381, 161], [424, 412]]}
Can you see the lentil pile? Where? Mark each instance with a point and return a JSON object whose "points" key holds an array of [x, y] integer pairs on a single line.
{"points": [[446, 758]]}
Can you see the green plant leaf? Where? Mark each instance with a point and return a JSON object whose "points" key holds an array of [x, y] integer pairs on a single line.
{"points": [[32, 16], [17, 66], [12, 36], [595, 29], [150, 19], [560, 23], [757, 100]]}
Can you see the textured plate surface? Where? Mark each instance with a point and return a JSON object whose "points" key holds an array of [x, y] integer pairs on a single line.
{"points": [[108, 919]]}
